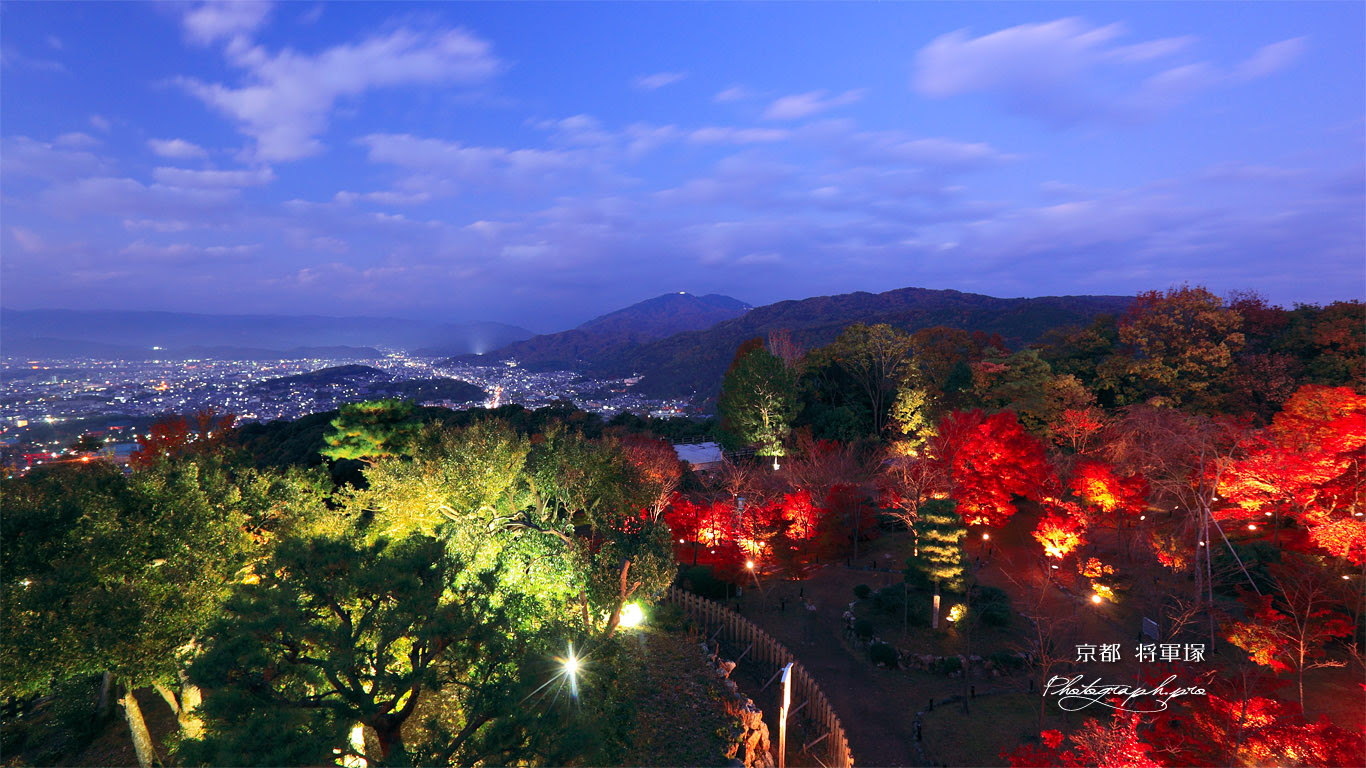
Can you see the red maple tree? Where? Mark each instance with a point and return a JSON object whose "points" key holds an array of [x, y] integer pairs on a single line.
{"points": [[987, 461]]}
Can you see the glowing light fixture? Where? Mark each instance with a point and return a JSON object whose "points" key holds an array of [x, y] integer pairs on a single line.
{"points": [[986, 536], [749, 564], [1097, 599], [632, 615], [1252, 526]]}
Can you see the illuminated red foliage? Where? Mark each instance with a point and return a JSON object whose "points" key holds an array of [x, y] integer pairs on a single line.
{"points": [[1059, 534], [1256, 730], [1097, 743], [1308, 465], [173, 436], [989, 460], [1077, 428], [1097, 485]]}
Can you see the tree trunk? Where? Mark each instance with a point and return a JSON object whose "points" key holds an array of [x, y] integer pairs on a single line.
{"points": [[137, 728], [168, 697], [390, 735], [190, 697]]}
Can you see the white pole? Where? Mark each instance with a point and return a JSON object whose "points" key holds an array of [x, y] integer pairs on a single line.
{"points": [[782, 716]]}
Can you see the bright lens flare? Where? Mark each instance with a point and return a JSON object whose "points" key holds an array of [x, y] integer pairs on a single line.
{"points": [[631, 615]]}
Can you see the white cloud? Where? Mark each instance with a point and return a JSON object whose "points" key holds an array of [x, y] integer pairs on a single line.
{"points": [[290, 96], [801, 105], [176, 149], [658, 80], [733, 93], [1069, 71], [58, 160], [182, 252], [211, 21], [731, 135], [1270, 59], [183, 177], [100, 122], [1042, 55], [76, 140], [461, 160]]}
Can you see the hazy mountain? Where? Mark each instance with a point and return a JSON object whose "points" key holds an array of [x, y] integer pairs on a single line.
{"points": [[132, 335], [373, 383], [613, 332], [693, 363]]}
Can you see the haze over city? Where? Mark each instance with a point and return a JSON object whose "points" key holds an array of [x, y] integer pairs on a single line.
{"points": [[540, 164]]}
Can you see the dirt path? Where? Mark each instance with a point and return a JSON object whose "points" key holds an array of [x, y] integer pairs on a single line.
{"points": [[874, 706]]}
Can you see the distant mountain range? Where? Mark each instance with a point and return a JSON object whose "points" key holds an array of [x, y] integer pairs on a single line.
{"points": [[693, 363], [58, 333], [615, 332]]}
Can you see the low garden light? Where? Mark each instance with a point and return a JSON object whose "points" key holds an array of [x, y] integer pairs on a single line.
{"points": [[1097, 599], [631, 615], [955, 613], [571, 670], [1252, 526]]}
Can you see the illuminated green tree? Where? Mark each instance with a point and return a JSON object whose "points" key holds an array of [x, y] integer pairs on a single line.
{"points": [[758, 400], [339, 634], [877, 357], [369, 430], [107, 574], [940, 535]]}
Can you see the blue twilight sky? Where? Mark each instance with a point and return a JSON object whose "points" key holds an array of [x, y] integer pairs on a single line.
{"points": [[543, 163]]}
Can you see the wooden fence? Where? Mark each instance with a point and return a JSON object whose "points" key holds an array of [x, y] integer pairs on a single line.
{"points": [[754, 647]]}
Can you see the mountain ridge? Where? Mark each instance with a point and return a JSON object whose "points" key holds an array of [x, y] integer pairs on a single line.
{"points": [[618, 330], [692, 363]]}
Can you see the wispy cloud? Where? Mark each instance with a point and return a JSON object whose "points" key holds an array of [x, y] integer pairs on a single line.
{"points": [[733, 93], [289, 96], [176, 149], [223, 19], [801, 105], [1069, 71], [658, 80], [183, 177]]}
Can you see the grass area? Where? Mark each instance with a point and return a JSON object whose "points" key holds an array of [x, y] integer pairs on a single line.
{"points": [[680, 715], [994, 723]]}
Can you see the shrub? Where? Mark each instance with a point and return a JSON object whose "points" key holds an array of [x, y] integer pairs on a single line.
{"points": [[889, 599], [995, 614], [949, 664], [863, 628], [883, 654], [700, 580], [989, 596], [1007, 661], [862, 591]]}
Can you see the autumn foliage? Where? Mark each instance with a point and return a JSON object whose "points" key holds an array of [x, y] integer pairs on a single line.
{"points": [[987, 461], [204, 431]]}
